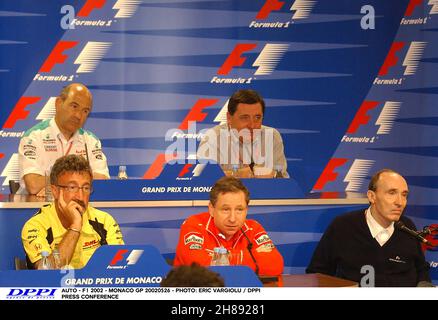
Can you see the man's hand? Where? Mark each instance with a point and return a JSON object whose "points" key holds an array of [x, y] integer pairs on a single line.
{"points": [[265, 176], [245, 172], [42, 192], [241, 173], [261, 172], [72, 211]]}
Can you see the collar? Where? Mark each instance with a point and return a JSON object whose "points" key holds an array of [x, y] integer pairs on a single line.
{"points": [[220, 238], [234, 135], [375, 227], [59, 134]]}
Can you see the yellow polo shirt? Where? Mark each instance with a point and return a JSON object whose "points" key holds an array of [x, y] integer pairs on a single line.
{"points": [[44, 231]]}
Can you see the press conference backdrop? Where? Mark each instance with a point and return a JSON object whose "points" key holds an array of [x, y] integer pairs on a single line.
{"points": [[350, 85]]}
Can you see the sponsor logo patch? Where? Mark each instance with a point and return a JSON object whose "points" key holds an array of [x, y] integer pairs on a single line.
{"points": [[193, 238], [195, 246], [263, 239]]}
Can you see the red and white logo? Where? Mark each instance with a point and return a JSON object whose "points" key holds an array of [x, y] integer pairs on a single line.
{"points": [[302, 8], [120, 262], [414, 4], [190, 171], [196, 114], [87, 60], [193, 237], [20, 111], [125, 8], [411, 61], [385, 121], [355, 177], [266, 62]]}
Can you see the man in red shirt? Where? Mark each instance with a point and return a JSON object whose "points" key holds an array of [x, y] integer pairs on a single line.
{"points": [[225, 225]]}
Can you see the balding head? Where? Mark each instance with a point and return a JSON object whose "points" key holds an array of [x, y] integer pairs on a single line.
{"points": [[72, 108], [76, 88]]}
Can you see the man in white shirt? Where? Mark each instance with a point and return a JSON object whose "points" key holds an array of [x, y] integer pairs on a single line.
{"points": [[243, 146], [53, 138], [367, 238]]}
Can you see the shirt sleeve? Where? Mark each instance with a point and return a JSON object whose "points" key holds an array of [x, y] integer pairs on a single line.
{"points": [[30, 156], [191, 246], [269, 260], [34, 239], [96, 156], [114, 234], [279, 157]]}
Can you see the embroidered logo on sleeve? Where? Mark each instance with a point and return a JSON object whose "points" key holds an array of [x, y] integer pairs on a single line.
{"points": [[264, 243], [195, 246], [192, 237], [267, 247], [263, 238]]}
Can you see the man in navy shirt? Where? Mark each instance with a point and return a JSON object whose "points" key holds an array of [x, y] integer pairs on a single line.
{"points": [[364, 245]]}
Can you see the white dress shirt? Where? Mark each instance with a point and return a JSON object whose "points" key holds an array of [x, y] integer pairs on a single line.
{"points": [[378, 232]]}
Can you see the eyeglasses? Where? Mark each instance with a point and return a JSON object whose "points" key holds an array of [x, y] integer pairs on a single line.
{"points": [[75, 189]]}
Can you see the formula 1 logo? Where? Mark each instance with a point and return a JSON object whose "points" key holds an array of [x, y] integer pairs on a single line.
{"points": [[266, 62], [302, 8], [48, 111], [410, 63], [414, 4], [125, 8], [20, 111], [385, 121], [196, 114], [88, 59], [190, 171], [355, 177], [119, 261], [12, 170], [408, 19]]}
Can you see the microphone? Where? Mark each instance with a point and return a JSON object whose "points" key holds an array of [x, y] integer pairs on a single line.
{"points": [[86, 151], [401, 226], [249, 247]]}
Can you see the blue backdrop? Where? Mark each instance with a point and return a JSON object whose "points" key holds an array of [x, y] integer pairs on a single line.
{"points": [[350, 94]]}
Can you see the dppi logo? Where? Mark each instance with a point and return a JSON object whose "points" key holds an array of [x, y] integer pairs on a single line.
{"points": [[385, 120], [119, 261], [31, 294], [87, 60], [411, 62], [355, 177], [266, 62], [125, 8], [302, 9], [414, 4]]}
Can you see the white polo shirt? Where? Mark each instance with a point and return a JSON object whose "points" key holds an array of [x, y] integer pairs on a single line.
{"points": [[42, 144]]}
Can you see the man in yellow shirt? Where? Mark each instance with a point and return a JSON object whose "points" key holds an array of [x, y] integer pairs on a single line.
{"points": [[69, 223]]}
